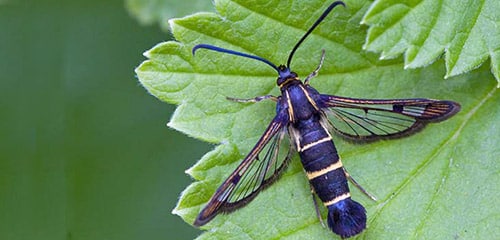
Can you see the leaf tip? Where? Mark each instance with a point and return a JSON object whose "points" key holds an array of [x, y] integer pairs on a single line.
{"points": [[383, 57], [171, 22], [189, 171], [410, 65], [365, 46]]}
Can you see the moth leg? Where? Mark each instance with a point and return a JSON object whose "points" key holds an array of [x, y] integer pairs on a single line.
{"points": [[348, 176], [318, 213], [253, 100], [315, 72]]}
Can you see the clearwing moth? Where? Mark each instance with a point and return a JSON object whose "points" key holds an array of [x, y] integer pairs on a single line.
{"points": [[309, 118]]}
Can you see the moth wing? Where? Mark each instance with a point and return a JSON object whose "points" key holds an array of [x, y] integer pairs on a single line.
{"points": [[258, 170], [366, 120]]}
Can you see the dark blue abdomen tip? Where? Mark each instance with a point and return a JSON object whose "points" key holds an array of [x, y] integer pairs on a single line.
{"points": [[346, 218]]}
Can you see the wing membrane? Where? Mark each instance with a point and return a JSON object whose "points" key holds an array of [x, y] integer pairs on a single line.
{"points": [[260, 168], [368, 120]]}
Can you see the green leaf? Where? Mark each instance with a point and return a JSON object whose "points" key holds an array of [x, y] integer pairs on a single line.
{"points": [[467, 32], [438, 183]]}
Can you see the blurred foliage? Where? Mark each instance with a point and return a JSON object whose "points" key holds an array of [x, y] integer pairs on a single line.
{"points": [[84, 150], [159, 11]]}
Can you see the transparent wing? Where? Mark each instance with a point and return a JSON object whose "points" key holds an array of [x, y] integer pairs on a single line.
{"points": [[368, 120], [260, 168]]}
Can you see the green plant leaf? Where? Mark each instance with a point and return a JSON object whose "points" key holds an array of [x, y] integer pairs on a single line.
{"points": [[467, 32], [438, 183]]}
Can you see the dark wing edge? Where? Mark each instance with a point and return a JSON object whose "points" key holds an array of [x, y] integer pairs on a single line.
{"points": [[252, 175], [368, 120]]}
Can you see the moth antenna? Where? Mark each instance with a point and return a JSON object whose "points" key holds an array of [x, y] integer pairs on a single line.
{"points": [[320, 19], [219, 49]]}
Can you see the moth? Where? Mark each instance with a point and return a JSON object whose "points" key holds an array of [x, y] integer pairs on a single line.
{"points": [[305, 121]]}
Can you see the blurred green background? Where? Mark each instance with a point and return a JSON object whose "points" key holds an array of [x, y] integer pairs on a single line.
{"points": [[85, 152]]}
